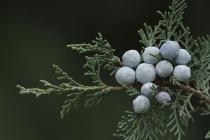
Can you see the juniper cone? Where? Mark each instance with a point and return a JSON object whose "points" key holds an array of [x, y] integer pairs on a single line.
{"points": [[169, 50], [163, 97], [164, 69], [151, 55], [141, 104], [147, 89], [125, 76], [182, 73], [145, 73], [131, 58], [183, 57]]}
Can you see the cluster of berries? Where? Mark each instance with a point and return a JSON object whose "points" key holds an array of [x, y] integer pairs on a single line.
{"points": [[169, 60]]}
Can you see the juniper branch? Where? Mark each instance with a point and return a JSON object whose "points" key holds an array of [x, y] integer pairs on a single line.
{"points": [[101, 51], [100, 56], [74, 90]]}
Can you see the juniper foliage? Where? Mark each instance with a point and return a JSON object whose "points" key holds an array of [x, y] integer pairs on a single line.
{"points": [[161, 121], [201, 65], [208, 135]]}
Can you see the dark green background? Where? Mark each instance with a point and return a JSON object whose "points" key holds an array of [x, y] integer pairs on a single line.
{"points": [[33, 36]]}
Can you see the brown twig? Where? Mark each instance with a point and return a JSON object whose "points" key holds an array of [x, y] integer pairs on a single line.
{"points": [[186, 88], [197, 93]]}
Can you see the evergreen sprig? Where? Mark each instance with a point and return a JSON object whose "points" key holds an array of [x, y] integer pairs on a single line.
{"points": [[102, 53], [201, 65], [207, 136], [149, 35], [160, 121], [172, 20], [181, 110], [73, 90], [149, 126], [101, 57]]}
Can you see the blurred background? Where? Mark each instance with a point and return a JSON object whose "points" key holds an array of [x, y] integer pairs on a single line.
{"points": [[33, 36]]}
